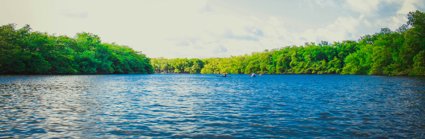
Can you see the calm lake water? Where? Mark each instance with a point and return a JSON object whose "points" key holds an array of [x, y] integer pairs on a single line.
{"points": [[207, 106]]}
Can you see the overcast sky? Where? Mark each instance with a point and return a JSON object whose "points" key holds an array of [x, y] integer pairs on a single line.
{"points": [[204, 28]]}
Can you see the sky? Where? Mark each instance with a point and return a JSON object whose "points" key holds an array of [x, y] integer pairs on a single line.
{"points": [[209, 28]]}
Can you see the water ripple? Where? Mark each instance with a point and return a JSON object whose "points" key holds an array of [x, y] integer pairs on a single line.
{"points": [[206, 106]]}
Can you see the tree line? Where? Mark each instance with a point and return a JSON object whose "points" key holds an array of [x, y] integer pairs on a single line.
{"points": [[399, 52], [23, 51]]}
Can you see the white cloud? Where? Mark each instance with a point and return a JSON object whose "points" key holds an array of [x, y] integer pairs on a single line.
{"points": [[409, 5], [363, 6], [343, 28]]}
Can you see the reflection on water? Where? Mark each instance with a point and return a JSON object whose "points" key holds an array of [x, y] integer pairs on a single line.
{"points": [[206, 106]]}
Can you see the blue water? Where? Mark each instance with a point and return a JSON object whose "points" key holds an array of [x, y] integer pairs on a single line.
{"points": [[207, 106]]}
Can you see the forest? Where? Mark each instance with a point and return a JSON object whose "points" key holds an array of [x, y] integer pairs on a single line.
{"points": [[23, 51], [399, 52]]}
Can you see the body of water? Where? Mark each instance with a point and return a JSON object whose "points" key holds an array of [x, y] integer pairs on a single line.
{"points": [[207, 106]]}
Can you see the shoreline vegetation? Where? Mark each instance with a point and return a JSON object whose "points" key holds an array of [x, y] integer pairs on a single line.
{"points": [[399, 52], [25, 52], [395, 53]]}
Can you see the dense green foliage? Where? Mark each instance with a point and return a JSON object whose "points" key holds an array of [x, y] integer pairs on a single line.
{"points": [[178, 65], [25, 52], [400, 52]]}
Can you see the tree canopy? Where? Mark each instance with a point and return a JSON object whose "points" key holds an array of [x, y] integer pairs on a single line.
{"points": [[400, 52], [23, 51]]}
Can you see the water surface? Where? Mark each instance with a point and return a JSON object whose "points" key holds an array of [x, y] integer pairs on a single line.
{"points": [[207, 106]]}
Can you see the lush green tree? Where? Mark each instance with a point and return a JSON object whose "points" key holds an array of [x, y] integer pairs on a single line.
{"points": [[400, 52], [25, 52], [419, 64], [414, 40], [387, 52]]}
